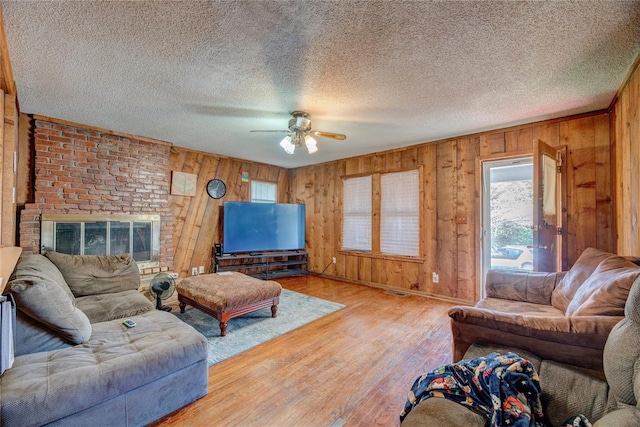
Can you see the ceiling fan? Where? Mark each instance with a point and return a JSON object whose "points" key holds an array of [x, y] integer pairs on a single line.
{"points": [[300, 132]]}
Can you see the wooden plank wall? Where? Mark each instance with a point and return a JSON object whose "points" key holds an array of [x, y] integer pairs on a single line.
{"points": [[450, 227], [197, 219], [625, 133], [9, 148], [8, 144]]}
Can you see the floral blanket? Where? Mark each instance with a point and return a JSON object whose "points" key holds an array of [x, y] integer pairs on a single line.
{"points": [[504, 388]]}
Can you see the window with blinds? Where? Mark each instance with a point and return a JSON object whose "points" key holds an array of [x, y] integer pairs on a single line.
{"points": [[263, 192], [391, 215], [400, 213], [356, 221]]}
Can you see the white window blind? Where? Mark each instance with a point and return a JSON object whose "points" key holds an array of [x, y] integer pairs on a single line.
{"points": [[356, 221], [263, 192], [400, 213]]}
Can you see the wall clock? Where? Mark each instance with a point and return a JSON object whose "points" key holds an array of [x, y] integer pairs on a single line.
{"points": [[216, 188]]}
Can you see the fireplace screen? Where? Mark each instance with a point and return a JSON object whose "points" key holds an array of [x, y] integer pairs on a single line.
{"points": [[137, 235]]}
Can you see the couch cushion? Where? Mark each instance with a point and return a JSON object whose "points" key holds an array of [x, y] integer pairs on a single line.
{"points": [[93, 274], [32, 336], [437, 411], [575, 277], [534, 287], [479, 350], [567, 392], [104, 307], [605, 291], [621, 356], [519, 308], [37, 266], [44, 387], [44, 296]]}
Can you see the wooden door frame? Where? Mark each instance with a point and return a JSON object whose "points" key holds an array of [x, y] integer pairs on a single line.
{"points": [[480, 160]]}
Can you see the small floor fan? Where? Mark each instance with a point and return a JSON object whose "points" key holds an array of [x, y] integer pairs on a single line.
{"points": [[162, 286]]}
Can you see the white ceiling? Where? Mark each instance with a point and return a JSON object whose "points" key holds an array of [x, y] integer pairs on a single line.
{"points": [[385, 73]]}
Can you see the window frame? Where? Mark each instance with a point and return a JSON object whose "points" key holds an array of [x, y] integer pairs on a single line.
{"points": [[269, 183], [414, 215], [361, 214], [376, 199]]}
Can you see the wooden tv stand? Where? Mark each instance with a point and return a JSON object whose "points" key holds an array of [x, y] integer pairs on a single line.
{"points": [[265, 265]]}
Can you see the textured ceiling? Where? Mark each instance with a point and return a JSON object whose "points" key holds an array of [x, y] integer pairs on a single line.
{"points": [[385, 73]]}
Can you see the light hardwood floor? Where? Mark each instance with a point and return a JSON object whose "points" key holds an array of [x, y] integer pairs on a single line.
{"points": [[351, 368]]}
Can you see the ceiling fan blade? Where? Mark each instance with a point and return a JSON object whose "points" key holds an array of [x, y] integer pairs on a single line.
{"points": [[277, 131], [331, 135]]}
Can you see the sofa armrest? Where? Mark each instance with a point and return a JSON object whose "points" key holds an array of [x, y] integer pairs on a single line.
{"points": [[508, 321], [535, 287], [575, 340], [531, 325]]}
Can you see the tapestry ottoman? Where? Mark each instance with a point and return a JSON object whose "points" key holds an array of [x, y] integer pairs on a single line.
{"points": [[228, 294]]}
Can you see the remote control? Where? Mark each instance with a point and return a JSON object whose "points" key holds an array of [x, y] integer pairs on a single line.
{"points": [[129, 323]]}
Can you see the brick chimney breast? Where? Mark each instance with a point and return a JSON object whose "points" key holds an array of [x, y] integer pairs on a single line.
{"points": [[85, 171]]}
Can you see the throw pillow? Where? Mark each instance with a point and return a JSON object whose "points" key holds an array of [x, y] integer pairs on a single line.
{"points": [[95, 274], [48, 300], [605, 292], [586, 263]]}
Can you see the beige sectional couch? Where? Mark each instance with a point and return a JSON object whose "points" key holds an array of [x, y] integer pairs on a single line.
{"points": [[77, 364], [564, 317]]}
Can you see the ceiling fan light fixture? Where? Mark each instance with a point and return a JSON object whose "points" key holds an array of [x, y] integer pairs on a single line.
{"points": [[311, 144], [299, 134], [303, 122], [288, 146]]}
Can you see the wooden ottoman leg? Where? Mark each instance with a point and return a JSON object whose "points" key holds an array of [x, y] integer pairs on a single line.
{"points": [[274, 309], [223, 318], [183, 303]]}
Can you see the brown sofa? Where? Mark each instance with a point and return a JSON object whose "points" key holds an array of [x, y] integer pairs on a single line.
{"points": [[566, 390], [564, 317]]}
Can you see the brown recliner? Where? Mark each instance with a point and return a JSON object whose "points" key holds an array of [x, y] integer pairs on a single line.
{"points": [[564, 317], [566, 390]]}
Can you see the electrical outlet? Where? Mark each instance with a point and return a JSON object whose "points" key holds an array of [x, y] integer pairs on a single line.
{"points": [[173, 275], [435, 278], [333, 260], [194, 271], [201, 269]]}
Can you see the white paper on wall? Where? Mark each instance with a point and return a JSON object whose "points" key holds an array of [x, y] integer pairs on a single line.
{"points": [[549, 186]]}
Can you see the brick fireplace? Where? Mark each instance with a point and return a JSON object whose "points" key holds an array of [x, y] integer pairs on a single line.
{"points": [[85, 171]]}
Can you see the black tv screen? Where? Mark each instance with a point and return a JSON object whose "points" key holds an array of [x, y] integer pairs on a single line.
{"points": [[260, 227]]}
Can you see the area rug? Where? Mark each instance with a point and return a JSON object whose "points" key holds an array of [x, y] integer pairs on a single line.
{"points": [[245, 332]]}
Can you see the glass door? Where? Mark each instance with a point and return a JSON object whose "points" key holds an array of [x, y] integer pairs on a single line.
{"points": [[507, 214]]}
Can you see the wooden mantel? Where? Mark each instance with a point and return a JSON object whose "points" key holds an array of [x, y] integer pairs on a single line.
{"points": [[8, 259]]}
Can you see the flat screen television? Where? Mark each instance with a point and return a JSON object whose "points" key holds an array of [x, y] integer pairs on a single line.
{"points": [[261, 227]]}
